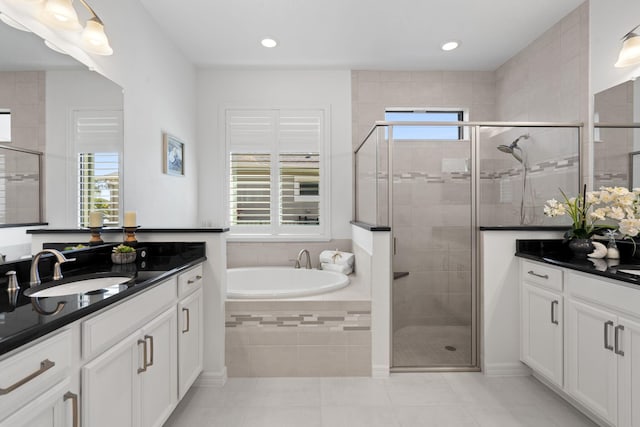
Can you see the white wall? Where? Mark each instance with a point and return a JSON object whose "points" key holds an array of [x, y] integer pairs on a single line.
{"points": [[220, 89], [159, 95], [65, 91], [609, 21]]}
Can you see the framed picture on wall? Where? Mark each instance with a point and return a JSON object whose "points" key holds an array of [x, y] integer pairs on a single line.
{"points": [[173, 155]]}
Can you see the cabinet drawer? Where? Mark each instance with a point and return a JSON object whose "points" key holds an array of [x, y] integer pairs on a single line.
{"points": [[190, 280], [541, 274], [27, 373], [105, 329]]}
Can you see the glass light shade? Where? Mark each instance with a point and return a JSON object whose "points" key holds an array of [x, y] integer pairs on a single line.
{"points": [[61, 14], [94, 39], [13, 23], [630, 52]]}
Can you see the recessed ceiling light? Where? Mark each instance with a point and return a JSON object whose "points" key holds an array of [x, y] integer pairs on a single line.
{"points": [[268, 42], [449, 45]]}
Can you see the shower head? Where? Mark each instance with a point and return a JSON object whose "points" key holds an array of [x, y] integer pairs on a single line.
{"points": [[511, 148]]}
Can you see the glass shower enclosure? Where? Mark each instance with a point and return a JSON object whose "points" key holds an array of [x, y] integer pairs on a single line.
{"points": [[436, 194]]}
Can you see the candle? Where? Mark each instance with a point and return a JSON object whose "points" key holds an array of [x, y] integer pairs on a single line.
{"points": [[130, 219], [95, 219]]}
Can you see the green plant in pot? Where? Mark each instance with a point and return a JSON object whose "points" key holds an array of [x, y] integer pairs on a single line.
{"points": [[123, 254]]}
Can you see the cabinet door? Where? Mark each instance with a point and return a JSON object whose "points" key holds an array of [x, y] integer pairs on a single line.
{"points": [[47, 410], [189, 340], [542, 323], [110, 386], [629, 372], [159, 383], [591, 362]]}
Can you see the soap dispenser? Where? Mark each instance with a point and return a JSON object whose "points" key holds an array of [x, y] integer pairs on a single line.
{"points": [[612, 248]]}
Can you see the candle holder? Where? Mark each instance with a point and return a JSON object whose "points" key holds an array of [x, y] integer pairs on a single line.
{"points": [[130, 234], [95, 236]]}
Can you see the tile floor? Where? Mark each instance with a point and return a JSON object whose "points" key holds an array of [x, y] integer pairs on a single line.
{"points": [[407, 400]]}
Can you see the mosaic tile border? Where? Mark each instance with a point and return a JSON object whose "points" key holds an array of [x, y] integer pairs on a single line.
{"points": [[560, 165], [350, 320]]}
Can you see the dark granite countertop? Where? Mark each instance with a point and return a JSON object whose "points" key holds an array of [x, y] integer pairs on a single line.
{"points": [[109, 230], [22, 318], [555, 252]]}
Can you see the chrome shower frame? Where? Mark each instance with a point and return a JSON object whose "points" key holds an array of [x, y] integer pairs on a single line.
{"points": [[476, 255]]}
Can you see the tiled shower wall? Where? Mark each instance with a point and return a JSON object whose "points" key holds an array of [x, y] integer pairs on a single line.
{"points": [[611, 147], [23, 94]]}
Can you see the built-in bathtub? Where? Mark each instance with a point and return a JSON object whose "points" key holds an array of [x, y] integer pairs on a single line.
{"points": [[281, 282], [288, 322]]}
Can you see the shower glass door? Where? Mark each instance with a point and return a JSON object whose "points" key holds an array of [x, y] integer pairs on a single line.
{"points": [[433, 296]]}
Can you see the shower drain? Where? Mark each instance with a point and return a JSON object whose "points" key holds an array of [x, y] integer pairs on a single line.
{"points": [[450, 347]]}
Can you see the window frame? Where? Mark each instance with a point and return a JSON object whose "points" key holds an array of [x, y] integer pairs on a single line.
{"points": [[276, 231], [463, 115]]}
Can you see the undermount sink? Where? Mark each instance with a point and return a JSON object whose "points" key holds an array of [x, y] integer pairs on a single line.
{"points": [[77, 285]]}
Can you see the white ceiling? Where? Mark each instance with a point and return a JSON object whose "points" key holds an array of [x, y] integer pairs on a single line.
{"points": [[356, 34]]}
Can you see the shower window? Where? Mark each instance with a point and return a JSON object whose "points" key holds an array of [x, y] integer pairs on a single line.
{"points": [[276, 186], [435, 133], [5, 126]]}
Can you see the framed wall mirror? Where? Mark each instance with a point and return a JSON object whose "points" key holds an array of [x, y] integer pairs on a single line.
{"points": [[52, 104], [616, 136]]}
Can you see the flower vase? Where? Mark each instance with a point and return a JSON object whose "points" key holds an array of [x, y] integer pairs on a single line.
{"points": [[581, 247]]}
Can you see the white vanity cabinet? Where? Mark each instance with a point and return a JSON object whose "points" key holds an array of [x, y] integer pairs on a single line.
{"points": [[35, 385], [542, 321], [603, 348], [592, 323], [47, 410], [190, 328], [134, 382]]}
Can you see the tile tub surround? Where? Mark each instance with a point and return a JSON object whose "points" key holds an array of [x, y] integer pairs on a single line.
{"points": [[298, 338], [258, 254]]}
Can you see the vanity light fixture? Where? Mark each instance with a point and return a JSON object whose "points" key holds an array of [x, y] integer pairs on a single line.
{"points": [[13, 23], [268, 42], [630, 52], [450, 45], [61, 14]]}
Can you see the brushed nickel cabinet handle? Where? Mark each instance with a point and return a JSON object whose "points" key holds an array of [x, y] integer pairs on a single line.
{"points": [[553, 311], [45, 365], [74, 407], [144, 356], [616, 340], [150, 338], [190, 281], [542, 276], [607, 346], [185, 330]]}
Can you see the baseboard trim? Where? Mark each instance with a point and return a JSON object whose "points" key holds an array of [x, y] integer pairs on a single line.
{"points": [[380, 371], [506, 370], [212, 379]]}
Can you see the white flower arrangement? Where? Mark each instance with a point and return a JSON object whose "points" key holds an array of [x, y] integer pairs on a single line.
{"points": [[609, 203]]}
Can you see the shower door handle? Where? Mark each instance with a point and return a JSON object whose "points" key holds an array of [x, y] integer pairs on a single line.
{"points": [[395, 243]]}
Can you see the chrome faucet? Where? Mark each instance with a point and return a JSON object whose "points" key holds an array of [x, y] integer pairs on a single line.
{"points": [[299, 259], [34, 277]]}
